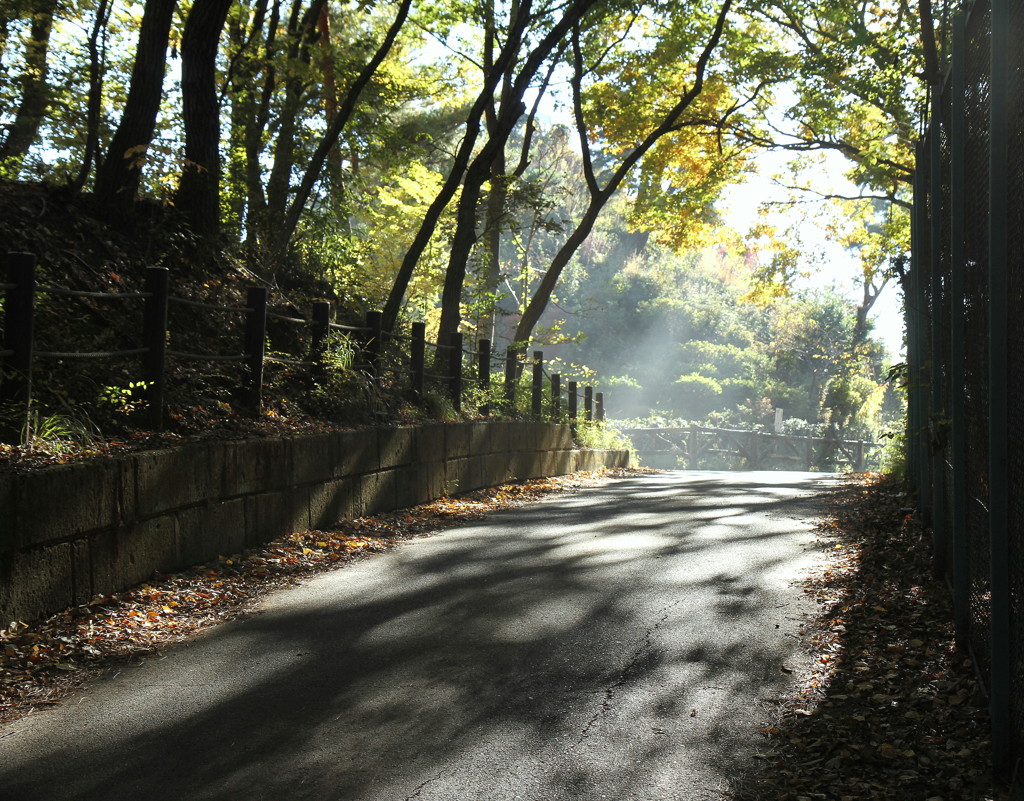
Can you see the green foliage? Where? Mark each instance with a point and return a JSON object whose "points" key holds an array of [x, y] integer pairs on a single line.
{"points": [[124, 400], [57, 434], [604, 436]]}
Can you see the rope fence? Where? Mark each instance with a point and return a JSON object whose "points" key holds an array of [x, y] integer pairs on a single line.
{"points": [[388, 359]]}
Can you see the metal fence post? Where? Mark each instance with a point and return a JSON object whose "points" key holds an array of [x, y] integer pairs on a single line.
{"points": [[938, 413], [255, 347], [455, 370], [483, 374], [19, 308], [537, 388], [999, 424], [154, 339], [958, 410]]}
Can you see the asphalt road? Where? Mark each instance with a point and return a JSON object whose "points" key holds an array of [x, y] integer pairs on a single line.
{"points": [[619, 643]]}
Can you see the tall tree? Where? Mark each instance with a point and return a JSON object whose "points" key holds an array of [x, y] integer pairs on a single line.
{"points": [[35, 89], [339, 119], [478, 170], [672, 120], [506, 57], [95, 97], [198, 194], [117, 179]]}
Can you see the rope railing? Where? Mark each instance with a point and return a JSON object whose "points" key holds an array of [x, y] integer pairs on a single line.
{"points": [[199, 304], [207, 357], [285, 318], [391, 360], [96, 354], [81, 293]]}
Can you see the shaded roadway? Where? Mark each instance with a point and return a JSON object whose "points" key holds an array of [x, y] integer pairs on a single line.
{"points": [[618, 643]]}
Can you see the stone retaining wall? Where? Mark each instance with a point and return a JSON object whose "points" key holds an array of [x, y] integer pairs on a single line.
{"points": [[70, 533]]}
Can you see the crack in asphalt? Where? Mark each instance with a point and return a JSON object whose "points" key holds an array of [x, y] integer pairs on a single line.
{"points": [[419, 788], [646, 644]]}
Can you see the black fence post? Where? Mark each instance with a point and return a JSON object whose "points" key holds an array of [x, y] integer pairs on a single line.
{"points": [[374, 343], [455, 370], [588, 403], [321, 329], [556, 397], [483, 367], [599, 404], [417, 361], [999, 422], [939, 358], [573, 409], [255, 347], [537, 388], [19, 306], [958, 337], [511, 374], [154, 339]]}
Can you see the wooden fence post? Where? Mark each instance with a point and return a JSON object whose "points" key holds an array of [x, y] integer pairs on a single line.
{"points": [[455, 370], [19, 306], [321, 329], [537, 388], [573, 409], [255, 347], [588, 403], [556, 397], [599, 403], [483, 374], [417, 360], [511, 374], [374, 343], [154, 339]]}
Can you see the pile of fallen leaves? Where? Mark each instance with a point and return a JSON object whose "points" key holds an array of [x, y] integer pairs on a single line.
{"points": [[42, 662], [889, 708]]}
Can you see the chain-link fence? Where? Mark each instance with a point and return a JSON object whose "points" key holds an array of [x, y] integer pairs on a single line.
{"points": [[965, 322]]}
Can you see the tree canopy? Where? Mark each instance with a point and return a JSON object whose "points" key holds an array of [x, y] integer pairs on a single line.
{"points": [[451, 162]]}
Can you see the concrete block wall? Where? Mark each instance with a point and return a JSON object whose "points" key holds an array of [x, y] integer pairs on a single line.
{"points": [[69, 533]]}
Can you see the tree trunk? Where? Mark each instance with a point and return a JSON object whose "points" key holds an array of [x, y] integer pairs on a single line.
{"points": [[512, 108], [92, 121], [329, 142], [599, 196], [303, 32], [35, 90], [255, 125], [198, 193], [504, 61], [117, 179]]}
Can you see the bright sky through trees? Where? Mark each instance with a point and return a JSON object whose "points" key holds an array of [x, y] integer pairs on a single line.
{"points": [[826, 263]]}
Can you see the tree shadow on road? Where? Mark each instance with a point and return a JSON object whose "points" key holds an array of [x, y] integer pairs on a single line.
{"points": [[602, 645]]}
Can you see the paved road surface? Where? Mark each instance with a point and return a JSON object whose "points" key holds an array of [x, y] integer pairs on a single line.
{"points": [[613, 644]]}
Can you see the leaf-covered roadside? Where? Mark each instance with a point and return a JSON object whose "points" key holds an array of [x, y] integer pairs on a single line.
{"points": [[43, 662], [889, 708]]}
